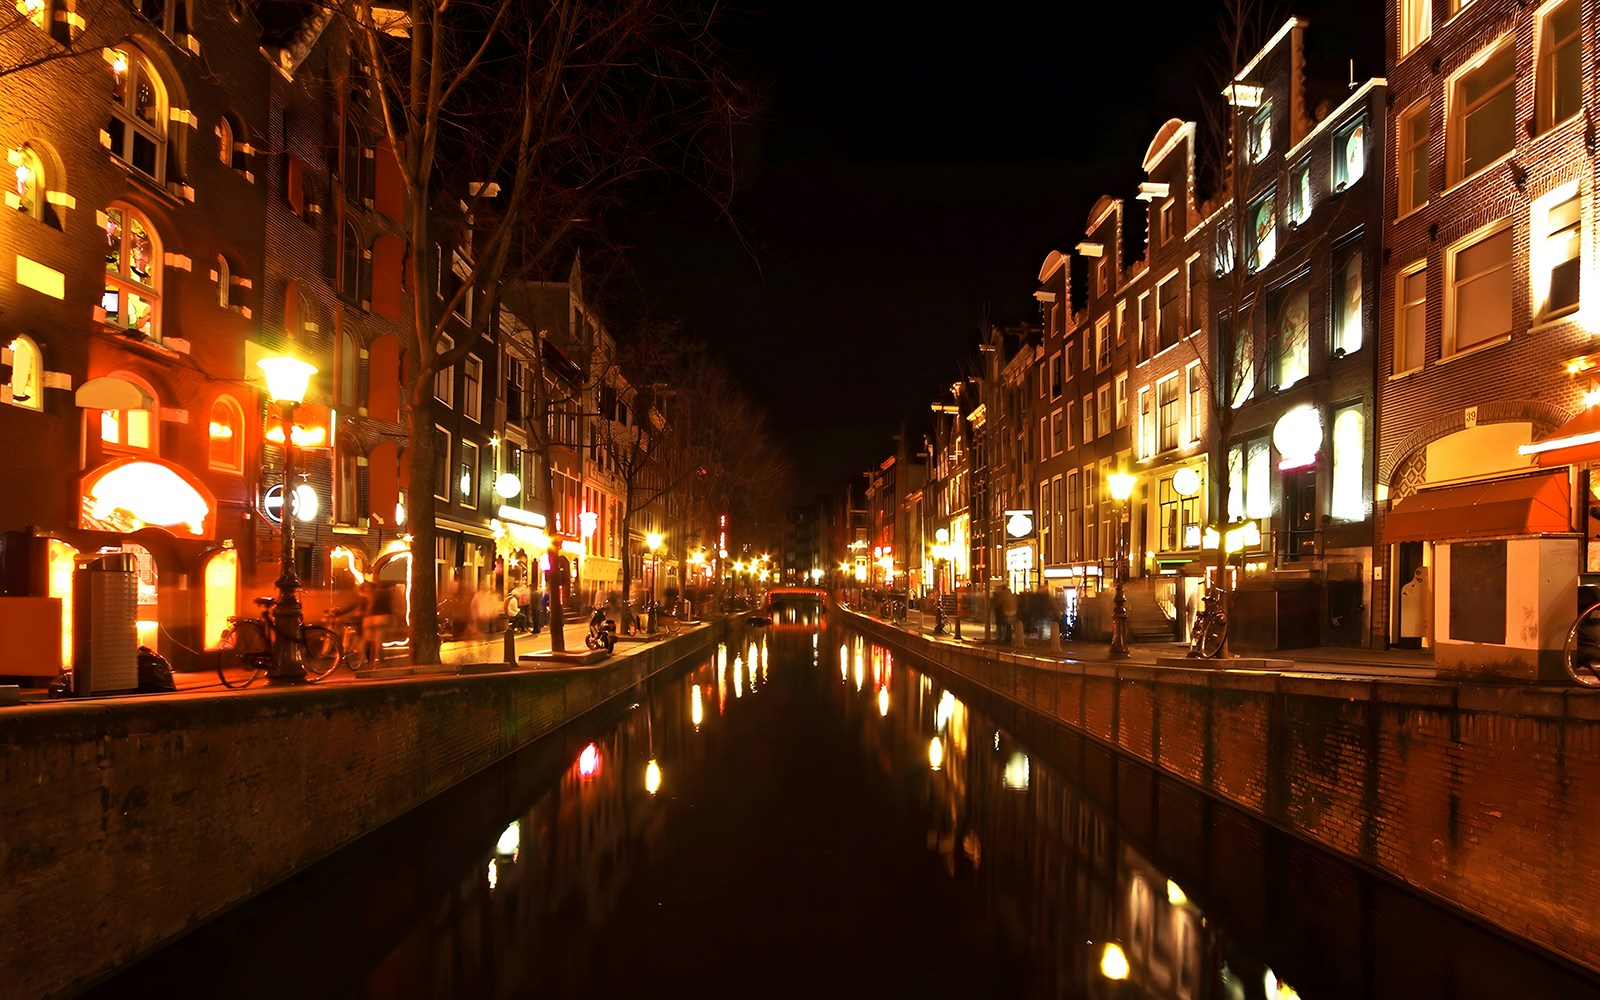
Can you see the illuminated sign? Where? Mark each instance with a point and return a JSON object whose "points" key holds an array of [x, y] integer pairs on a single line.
{"points": [[532, 519], [128, 494], [1019, 558], [304, 503], [1298, 437], [1019, 523]]}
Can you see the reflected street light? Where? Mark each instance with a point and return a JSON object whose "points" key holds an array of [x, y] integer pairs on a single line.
{"points": [[1121, 485], [287, 379]]}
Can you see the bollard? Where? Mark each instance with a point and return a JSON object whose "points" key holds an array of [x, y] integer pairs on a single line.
{"points": [[1055, 636], [1016, 633], [511, 645]]}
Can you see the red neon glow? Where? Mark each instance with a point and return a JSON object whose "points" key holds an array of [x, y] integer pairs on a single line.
{"points": [[589, 761]]}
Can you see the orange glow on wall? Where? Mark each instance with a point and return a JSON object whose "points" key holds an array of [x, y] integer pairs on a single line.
{"points": [[221, 594], [62, 560]]}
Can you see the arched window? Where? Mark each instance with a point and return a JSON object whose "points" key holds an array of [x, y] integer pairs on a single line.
{"points": [[224, 276], [350, 263], [30, 182], [132, 299], [132, 429], [137, 129], [36, 11], [227, 435], [349, 368], [225, 141], [26, 364]]}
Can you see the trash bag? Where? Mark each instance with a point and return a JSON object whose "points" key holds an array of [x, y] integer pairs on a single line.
{"points": [[155, 673]]}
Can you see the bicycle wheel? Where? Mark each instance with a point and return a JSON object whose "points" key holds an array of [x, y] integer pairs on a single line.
{"points": [[671, 624], [244, 654], [1213, 632], [322, 652]]}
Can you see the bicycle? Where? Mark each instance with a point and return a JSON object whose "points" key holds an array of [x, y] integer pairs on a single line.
{"points": [[247, 645], [1210, 627], [1582, 651]]}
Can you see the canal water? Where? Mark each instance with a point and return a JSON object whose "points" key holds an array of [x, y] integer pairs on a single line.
{"points": [[806, 814]]}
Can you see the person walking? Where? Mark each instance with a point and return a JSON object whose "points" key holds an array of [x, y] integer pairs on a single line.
{"points": [[1006, 608]]}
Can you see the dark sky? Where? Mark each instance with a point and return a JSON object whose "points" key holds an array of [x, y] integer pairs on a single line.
{"points": [[914, 166]]}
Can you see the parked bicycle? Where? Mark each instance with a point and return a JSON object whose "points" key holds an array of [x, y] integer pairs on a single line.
{"points": [[667, 620], [248, 644], [1210, 627], [1583, 648]]}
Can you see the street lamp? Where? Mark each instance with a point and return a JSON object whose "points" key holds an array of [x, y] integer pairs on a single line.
{"points": [[287, 379], [652, 541], [941, 552], [1121, 485]]}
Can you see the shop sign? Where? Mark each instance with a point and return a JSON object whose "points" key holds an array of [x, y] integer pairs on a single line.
{"points": [[128, 494], [1019, 523], [1019, 558]]}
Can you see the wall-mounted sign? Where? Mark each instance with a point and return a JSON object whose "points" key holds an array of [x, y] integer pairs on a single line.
{"points": [[1019, 558], [304, 503], [532, 519], [127, 494], [1019, 523]]}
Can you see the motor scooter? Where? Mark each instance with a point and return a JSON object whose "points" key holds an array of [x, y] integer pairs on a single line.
{"points": [[602, 631]]}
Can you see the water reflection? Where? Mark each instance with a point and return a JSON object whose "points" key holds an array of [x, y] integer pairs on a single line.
{"points": [[903, 837]]}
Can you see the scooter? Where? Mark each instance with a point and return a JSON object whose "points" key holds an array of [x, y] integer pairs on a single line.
{"points": [[602, 631]]}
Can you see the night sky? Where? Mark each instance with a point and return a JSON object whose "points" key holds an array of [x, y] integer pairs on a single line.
{"points": [[913, 167]]}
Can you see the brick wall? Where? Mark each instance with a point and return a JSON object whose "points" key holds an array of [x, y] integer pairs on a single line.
{"points": [[1480, 796], [126, 823]]}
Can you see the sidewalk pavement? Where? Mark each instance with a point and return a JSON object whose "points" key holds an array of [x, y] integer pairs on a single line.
{"points": [[1319, 660]]}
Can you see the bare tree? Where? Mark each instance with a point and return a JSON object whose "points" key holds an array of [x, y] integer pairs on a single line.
{"points": [[555, 109], [36, 34]]}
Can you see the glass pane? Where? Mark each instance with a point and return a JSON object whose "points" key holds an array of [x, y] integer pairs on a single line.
{"points": [[114, 240], [1258, 481], [1416, 319], [1488, 131], [144, 153], [1355, 155], [1485, 255], [1564, 283], [1567, 74], [141, 314], [1483, 80], [139, 428], [1349, 453], [1348, 311], [145, 105], [1294, 358], [119, 76], [1483, 308], [110, 426]]}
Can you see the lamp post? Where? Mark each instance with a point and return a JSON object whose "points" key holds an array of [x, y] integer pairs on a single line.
{"points": [[941, 551], [652, 541], [1121, 484], [287, 379]]}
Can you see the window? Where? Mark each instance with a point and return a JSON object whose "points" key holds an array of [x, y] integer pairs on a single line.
{"points": [[1482, 109], [1261, 133], [1102, 341], [1147, 327], [1413, 168], [1416, 22], [1411, 317], [1062, 361], [1103, 271], [1074, 518], [441, 462], [1168, 225], [1347, 329], [1244, 363], [171, 16], [1349, 153], [349, 370], [444, 380], [225, 141], [136, 133], [1103, 407], [457, 278], [1558, 224], [352, 155], [1479, 304], [350, 263], [227, 435], [1122, 399], [1055, 376], [1169, 411], [1058, 433], [1263, 231], [223, 279], [1147, 423], [1250, 475], [1192, 286], [472, 388], [1122, 321], [1195, 390], [1178, 517], [346, 487], [516, 377], [1088, 418], [1300, 193], [469, 474], [26, 364], [1223, 251], [1091, 538], [1560, 82], [135, 429], [1291, 319], [30, 184], [1169, 315], [132, 296], [1349, 471], [1044, 438]]}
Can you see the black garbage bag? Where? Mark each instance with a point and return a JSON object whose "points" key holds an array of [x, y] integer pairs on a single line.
{"points": [[155, 673]]}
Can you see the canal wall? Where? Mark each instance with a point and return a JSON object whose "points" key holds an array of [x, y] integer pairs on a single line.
{"points": [[1485, 797], [126, 822]]}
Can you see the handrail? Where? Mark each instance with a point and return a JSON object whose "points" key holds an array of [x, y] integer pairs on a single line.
{"points": [[1590, 676]]}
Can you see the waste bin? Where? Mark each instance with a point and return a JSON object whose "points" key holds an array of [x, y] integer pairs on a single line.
{"points": [[105, 601]]}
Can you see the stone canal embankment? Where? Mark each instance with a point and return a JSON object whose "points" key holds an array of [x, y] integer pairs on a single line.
{"points": [[1485, 797], [126, 822]]}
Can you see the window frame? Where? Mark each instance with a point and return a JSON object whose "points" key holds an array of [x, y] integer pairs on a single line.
{"points": [[1298, 207], [445, 375], [1403, 307], [1164, 442], [1263, 247], [30, 349], [1546, 116], [472, 470], [1120, 400], [1458, 112], [1449, 342], [136, 69], [1194, 399], [472, 388], [442, 440], [1542, 263], [1413, 154], [1413, 30], [1260, 133], [1340, 163], [123, 280]]}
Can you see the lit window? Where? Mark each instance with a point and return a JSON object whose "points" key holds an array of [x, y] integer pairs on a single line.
{"points": [[37, 12], [350, 263], [1291, 316], [1261, 133], [1244, 364], [347, 487], [1413, 166], [349, 368], [128, 428], [133, 257], [1103, 406], [472, 388], [223, 277], [171, 16], [1556, 258], [1102, 340], [1349, 469], [469, 474], [1122, 321], [1416, 22], [1263, 231], [1250, 479], [1196, 391], [1479, 304], [1168, 225], [137, 128], [30, 183], [1169, 411], [1411, 317], [225, 141], [1223, 252], [441, 462], [1349, 154], [1058, 433], [1482, 112], [227, 435], [1122, 399], [1560, 64], [1347, 329], [444, 380], [1103, 269], [1169, 313], [26, 364], [1088, 417], [1300, 193]]}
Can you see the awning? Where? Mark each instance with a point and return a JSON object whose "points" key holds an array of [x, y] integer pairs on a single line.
{"points": [[1577, 440], [111, 393], [1499, 508]]}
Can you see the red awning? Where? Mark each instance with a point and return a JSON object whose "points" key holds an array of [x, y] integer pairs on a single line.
{"points": [[1577, 440], [1531, 505]]}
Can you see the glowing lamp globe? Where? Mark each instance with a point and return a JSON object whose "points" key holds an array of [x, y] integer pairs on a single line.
{"points": [[287, 378], [653, 540], [1186, 482], [1121, 484], [507, 486]]}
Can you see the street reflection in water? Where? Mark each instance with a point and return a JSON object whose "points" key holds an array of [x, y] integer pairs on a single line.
{"points": [[784, 820]]}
